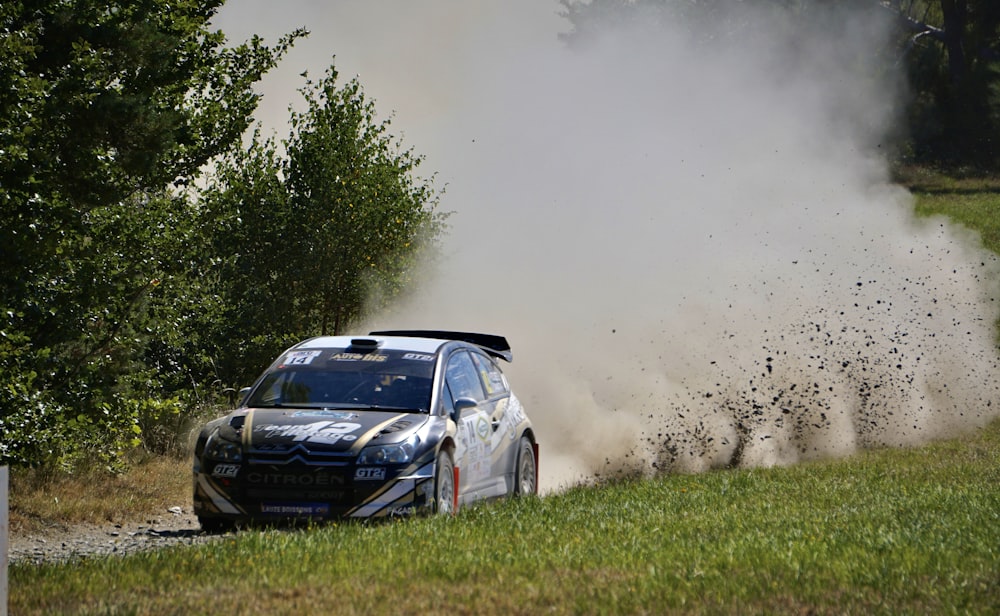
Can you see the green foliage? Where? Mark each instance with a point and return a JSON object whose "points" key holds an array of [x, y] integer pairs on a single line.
{"points": [[110, 97], [307, 238], [106, 105], [23, 442], [243, 214], [359, 213], [132, 302], [954, 72]]}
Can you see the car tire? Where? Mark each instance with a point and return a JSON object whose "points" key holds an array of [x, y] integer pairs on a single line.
{"points": [[444, 485], [526, 471]]}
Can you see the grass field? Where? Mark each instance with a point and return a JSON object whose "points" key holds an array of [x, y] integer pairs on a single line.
{"points": [[888, 531], [972, 201]]}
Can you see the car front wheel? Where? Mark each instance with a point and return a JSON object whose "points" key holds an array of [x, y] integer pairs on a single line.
{"points": [[526, 476], [444, 485]]}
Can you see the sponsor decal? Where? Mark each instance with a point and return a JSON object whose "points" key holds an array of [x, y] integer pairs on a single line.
{"points": [[298, 358], [323, 432], [293, 479], [474, 448], [226, 471], [311, 509], [338, 415], [402, 511], [369, 473], [374, 357], [515, 415], [418, 356], [483, 428]]}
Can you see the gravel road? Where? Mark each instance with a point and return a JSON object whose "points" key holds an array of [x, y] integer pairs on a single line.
{"points": [[174, 526]]}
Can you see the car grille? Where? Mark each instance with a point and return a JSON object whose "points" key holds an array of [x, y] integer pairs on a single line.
{"points": [[298, 455], [297, 482]]}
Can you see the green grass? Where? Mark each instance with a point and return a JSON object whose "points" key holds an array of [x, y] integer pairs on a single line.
{"points": [[890, 531], [971, 201]]}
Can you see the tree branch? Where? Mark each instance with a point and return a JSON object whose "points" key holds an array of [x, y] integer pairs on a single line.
{"points": [[913, 24]]}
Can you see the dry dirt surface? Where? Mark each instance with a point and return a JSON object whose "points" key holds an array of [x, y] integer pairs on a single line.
{"points": [[175, 526]]}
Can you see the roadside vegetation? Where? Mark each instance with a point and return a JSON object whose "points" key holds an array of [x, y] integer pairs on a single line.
{"points": [[42, 500]]}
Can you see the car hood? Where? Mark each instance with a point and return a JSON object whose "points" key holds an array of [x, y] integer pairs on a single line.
{"points": [[325, 430]]}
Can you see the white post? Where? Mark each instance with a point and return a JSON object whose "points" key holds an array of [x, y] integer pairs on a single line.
{"points": [[3, 540]]}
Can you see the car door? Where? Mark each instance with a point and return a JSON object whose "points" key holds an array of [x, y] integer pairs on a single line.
{"points": [[505, 420], [473, 450]]}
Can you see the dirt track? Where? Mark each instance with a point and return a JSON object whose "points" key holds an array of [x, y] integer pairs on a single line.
{"points": [[61, 542]]}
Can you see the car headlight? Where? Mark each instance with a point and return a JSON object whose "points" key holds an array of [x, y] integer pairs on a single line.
{"points": [[395, 453], [219, 448]]}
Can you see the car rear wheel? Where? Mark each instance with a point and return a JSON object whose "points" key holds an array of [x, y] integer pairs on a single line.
{"points": [[526, 476], [444, 485]]}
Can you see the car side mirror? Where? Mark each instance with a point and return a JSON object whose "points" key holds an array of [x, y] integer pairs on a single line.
{"points": [[242, 395], [465, 403], [461, 405]]}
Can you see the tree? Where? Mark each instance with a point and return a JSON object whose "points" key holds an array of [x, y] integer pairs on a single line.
{"points": [[321, 237], [361, 212], [106, 106], [250, 239], [951, 50]]}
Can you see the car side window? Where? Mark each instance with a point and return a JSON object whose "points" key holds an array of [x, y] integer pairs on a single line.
{"points": [[447, 401], [462, 378], [490, 374]]}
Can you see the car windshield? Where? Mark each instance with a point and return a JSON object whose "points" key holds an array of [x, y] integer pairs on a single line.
{"points": [[337, 379]]}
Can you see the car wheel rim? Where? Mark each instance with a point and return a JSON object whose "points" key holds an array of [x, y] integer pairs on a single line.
{"points": [[527, 471], [446, 492]]}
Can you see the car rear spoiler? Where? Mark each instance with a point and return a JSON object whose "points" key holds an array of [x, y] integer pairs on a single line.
{"points": [[496, 346]]}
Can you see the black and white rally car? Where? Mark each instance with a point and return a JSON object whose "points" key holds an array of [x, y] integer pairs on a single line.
{"points": [[392, 423]]}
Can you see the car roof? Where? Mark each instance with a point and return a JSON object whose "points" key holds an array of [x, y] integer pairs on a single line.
{"points": [[421, 341], [389, 343]]}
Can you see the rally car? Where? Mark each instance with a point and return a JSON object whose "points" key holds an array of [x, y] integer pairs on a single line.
{"points": [[389, 424]]}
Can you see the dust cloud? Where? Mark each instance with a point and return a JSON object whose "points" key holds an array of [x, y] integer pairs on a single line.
{"points": [[688, 237]]}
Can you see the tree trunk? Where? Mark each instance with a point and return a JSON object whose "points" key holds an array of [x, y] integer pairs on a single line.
{"points": [[955, 13]]}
